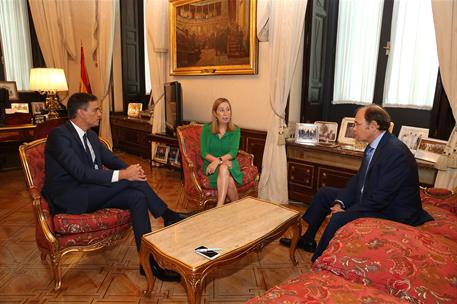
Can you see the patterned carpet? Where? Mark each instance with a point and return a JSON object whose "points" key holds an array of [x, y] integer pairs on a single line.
{"points": [[112, 276]]}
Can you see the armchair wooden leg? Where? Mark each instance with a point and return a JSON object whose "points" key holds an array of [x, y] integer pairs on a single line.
{"points": [[55, 267], [43, 256]]}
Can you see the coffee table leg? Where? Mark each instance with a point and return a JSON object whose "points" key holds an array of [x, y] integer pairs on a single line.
{"points": [[144, 260], [295, 237], [194, 288]]}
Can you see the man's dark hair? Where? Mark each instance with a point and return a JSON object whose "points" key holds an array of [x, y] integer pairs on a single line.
{"points": [[78, 101], [378, 114]]}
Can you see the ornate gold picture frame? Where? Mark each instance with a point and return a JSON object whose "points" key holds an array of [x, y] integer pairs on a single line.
{"points": [[213, 37]]}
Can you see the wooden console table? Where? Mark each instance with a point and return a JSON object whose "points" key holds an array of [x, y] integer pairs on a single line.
{"points": [[311, 167], [11, 137], [132, 135]]}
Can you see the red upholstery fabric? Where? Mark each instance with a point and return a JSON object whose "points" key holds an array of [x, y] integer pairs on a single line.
{"points": [[440, 197], [35, 160], [84, 239], [90, 222], [323, 287], [401, 260], [445, 223], [190, 151]]}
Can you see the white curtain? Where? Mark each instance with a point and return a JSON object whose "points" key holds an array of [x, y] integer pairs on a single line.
{"points": [[445, 19], [15, 38], [157, 45], [102, 53], [359, 27], [285, 29], [53, 25], [412, 67]]}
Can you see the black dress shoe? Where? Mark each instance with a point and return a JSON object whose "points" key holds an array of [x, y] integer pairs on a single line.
{"points": [[306, 246], [175, 218], [160, 273]]}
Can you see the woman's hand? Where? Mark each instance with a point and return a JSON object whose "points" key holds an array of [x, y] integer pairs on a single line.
{"points": [[228, 163], [212, 167]]}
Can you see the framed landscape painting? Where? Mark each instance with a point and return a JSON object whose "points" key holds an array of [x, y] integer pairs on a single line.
{"points": [[212, 37]]}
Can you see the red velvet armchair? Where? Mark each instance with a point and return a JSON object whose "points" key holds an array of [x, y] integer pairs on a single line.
{"points": [[57, 235], [196, 185]]}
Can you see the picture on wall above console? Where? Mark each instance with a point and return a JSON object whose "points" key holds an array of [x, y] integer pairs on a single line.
{"points": [[213, 37], [134, 109], [12, 89], [327, 131], [161, 154], [430, 149], [306, 133], [411, 136]]}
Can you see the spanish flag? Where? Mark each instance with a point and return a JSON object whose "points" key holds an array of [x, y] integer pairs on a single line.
{"points": [[84, 83]]}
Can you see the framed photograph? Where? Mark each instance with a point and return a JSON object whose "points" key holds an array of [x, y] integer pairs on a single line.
{"points": [[20, 107], [306, 133], [37, 107], [430, 149], [212, 37], [12, 89], [411, 136], [134, 109], [161, 154], [327, 131], [173, 157], [346, 135]]}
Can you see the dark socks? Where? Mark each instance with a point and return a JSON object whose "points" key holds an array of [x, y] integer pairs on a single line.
{"points": [[170, 215], [310, 234]]}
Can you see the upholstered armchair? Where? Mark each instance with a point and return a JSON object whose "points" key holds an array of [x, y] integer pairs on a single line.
{"points": [[197, 189], [57, 235]]}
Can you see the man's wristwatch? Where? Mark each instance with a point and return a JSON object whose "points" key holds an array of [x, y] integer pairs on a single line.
{"points": [[220, 160]]}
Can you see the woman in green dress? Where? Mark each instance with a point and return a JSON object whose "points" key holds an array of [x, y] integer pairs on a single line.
{"points": [[219, 145]]}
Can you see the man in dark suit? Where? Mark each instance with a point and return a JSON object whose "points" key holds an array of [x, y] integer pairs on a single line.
{"points": [[82, 175], [386, 185]]}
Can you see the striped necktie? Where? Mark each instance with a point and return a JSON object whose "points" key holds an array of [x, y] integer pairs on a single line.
{"points": [[366, 163]]}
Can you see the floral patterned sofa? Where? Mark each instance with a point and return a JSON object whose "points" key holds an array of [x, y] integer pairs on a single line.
{"points": [[378, 261]]}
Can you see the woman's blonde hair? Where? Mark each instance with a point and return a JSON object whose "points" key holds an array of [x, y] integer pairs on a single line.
{"points": [[215, 123]]}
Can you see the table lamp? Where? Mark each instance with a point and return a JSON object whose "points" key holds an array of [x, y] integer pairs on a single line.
{"points": [[49, 81]]}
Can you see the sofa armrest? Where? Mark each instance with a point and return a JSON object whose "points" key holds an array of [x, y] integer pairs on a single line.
{"points": [[439, 197]]}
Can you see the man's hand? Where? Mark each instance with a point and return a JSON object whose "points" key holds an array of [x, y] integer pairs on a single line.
{"points": [[132, 173], [336, 208], [212, 167]]}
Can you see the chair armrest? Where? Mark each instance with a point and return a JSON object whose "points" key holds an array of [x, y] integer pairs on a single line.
{"points": [[245, 159]]}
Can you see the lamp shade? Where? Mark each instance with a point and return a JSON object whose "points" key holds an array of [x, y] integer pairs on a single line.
{"points": [[47, 79]]}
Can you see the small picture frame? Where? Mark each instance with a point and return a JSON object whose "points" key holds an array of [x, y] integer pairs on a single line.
{"points": [[20, 107], [173, 157], [430, 149], [327, 131], [37, 119], [306, 133], [346, 135], [161, 153], [411, 136], [37, 107], [134, 109], [12, 89]]}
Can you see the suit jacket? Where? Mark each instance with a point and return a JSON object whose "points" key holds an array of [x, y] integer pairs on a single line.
{"points": [[391, 185], [69, 173]]}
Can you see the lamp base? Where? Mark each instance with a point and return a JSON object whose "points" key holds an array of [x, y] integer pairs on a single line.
{"points": [[52, 106]]}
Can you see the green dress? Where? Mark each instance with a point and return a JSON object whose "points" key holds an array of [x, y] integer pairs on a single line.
{"points": [[229, 143]]}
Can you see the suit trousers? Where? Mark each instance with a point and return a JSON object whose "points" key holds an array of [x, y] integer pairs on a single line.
{"points": [[320, 208], [136, 196]]}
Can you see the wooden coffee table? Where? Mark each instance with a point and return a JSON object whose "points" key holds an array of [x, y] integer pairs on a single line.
{"points": [[238, 228]]}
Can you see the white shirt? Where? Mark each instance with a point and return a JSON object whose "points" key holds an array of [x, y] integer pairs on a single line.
{"points": [[81, 132]]}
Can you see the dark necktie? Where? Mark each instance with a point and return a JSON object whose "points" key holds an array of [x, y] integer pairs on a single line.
{"points": [[366, 162], [86, 147]]}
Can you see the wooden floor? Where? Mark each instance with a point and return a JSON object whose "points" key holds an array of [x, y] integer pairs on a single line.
{"points": [[112, 276]]}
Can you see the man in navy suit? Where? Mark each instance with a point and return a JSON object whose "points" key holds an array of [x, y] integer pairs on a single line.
{"points": [[82, 175], [386, 185]]}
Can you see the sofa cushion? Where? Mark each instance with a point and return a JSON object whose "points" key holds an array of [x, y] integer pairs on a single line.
{"points": [[444, 224], [401, 260], [323, 287]]}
